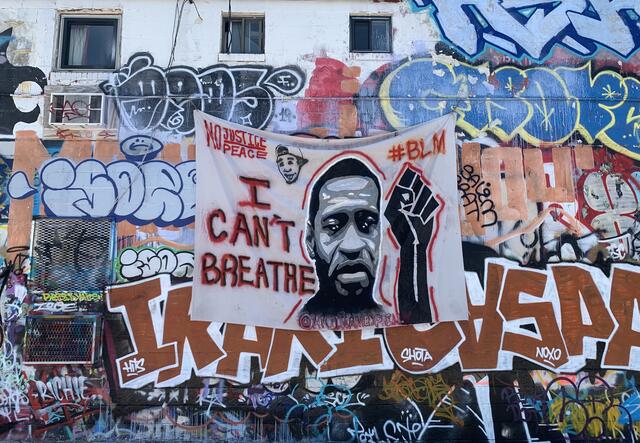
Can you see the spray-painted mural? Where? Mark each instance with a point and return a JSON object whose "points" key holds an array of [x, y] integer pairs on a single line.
{"points": [[11, 78], [97, 337], [533, 28], [539, 105], [152, 98]]}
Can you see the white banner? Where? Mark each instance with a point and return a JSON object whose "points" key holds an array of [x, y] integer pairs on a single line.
{"points": [[305, 233]]}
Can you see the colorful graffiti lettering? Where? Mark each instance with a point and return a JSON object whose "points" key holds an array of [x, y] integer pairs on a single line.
{"points": [[533, 28], [539, 104], [155, 191], [500, 312]]}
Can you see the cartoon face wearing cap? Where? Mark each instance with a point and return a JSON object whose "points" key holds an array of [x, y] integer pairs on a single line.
{"points": [[289, 164]]}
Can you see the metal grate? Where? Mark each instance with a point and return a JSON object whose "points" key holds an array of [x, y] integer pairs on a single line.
{"points": [[71, 254], [61, 339]]}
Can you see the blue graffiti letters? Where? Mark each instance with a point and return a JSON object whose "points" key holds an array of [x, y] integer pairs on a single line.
{"points": [[539, 104], [534, 28], [153, 192]]}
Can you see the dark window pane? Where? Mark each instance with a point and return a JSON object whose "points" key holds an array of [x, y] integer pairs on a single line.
{"points": [[96, 111], [101, 47], [96, 102], [57, 104], [361, 35], [94, 116], [253, 36], [58, 101], [236, 36], [380, 36]]}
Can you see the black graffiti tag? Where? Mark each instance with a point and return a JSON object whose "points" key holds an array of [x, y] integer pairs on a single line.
{"points": [[410, 212], [150, 97], [476, 197], [10, 78]]}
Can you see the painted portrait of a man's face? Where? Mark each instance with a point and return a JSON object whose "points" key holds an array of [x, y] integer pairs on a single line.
{"points": [[343, 237], [289, 164]]}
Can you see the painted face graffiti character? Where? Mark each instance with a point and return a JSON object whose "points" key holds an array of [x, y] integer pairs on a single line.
{"points": [[343, 238], [289, 164], [141, 147]]}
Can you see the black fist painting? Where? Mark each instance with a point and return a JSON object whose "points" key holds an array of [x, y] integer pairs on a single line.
{"points": [[410, 211]]}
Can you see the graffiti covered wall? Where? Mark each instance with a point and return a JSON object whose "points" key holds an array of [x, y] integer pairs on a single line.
{"points": [[97, 337]]}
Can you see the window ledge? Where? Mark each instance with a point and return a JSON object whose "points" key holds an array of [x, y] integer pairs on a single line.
{"points": [[223, 57], [80, 75], [376, 56]]}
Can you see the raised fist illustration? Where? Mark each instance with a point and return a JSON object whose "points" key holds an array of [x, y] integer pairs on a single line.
{"points": [[410, 210]]}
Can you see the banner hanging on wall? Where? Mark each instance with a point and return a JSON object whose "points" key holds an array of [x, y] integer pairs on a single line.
{"points": [[306, 233]]}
